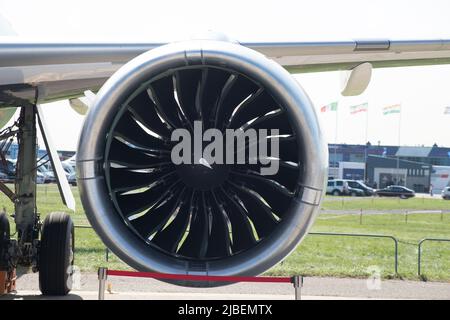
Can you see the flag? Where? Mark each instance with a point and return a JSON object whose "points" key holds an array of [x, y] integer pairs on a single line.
{"points": [[447, 110], [359, 108], [395, 108], [329, 107]]}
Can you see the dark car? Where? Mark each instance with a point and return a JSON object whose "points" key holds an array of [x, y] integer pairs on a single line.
{"points": [[355, 184], [355, 192], [396, 191]]}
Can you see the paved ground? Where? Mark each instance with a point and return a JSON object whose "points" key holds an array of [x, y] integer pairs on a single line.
{"points": [[314, 288]]}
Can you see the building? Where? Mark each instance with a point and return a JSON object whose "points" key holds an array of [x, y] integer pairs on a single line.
{"points": [[13, 153], [434, 155], [383, 172], [414, 167]]}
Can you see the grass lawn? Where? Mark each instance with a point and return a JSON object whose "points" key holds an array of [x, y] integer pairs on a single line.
{"points": [[382, 203], [318, 255]]}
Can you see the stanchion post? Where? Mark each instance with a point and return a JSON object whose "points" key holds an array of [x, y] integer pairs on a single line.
{"points": [[102, 276], [297, 281]]}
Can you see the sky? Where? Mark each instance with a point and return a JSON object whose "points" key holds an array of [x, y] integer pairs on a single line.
{"points": [[422, 91]]}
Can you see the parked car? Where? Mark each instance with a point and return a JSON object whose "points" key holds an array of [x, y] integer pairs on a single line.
{"points": [[7, 171], [446, 193], [337, 187], [355, 192], [71, 162], [40, 178], [356, 184], [6, 178], [72, 179], [47, 175], [396, 191]]}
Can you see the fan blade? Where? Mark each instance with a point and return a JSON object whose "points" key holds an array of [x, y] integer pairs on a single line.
{"points": [[241, 89], [144, 110], [278, 198], [123, 180], [219, 244], [169, 237], [157, 216], [258, 105], [187, 83], [163, 94], [242, 232], [285, 176], [134, 203], [275, 119], [126, 155], [211, 91], [259, 213], [196, 242], [129, 130]]}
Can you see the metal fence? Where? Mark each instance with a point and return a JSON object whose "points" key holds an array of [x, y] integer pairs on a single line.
{"points": [[419, 256], [395, 240], [367, 236]]}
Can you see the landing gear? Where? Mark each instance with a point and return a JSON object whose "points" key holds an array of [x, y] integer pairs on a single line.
{"points": [[56, 254], [4, 241], [46, 248], [7, 274]]}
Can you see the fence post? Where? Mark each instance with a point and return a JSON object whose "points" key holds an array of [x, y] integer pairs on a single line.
{"points": [[297, 281], [419, 254], [396, 254], [102, 276]]}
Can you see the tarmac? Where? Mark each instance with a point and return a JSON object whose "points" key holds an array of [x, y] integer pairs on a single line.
{"points": [[314, 288]]}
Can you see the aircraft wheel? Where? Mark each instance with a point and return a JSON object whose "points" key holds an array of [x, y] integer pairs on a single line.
{"points": [[56, 254], [4, 236]]}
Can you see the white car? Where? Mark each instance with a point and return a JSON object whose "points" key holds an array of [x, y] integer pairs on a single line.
{"points": [[337, 187], [40, 178], [446, 193]]}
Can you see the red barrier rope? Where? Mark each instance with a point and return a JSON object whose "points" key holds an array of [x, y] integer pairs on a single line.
{"points": [[167, 276]]}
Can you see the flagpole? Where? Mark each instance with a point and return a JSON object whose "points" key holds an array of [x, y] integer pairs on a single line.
{"points": [[399, 141], [367, 140], [336, 134], [367, 124]]}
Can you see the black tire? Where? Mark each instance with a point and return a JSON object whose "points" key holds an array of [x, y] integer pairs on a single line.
{"points": [[4, 237], [336, 193], [56, 254]]}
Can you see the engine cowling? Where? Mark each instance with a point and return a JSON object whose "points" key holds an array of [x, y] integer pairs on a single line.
{"points": [[200, 218]]}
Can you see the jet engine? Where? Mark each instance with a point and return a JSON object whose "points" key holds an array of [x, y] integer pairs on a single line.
{"points": [[201, 217]]}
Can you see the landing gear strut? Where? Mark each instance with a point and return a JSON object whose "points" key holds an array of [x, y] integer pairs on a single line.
{"points": [[52, 255]]}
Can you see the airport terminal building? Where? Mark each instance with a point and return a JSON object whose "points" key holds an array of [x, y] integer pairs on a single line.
{"points": [[417, 168]]}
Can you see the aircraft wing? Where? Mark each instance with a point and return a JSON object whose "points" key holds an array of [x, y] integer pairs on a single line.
{"points": [[37, 72], [45, 72]]}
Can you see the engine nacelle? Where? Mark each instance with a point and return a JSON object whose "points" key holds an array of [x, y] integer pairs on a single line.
{"points": [[204, 217]]}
